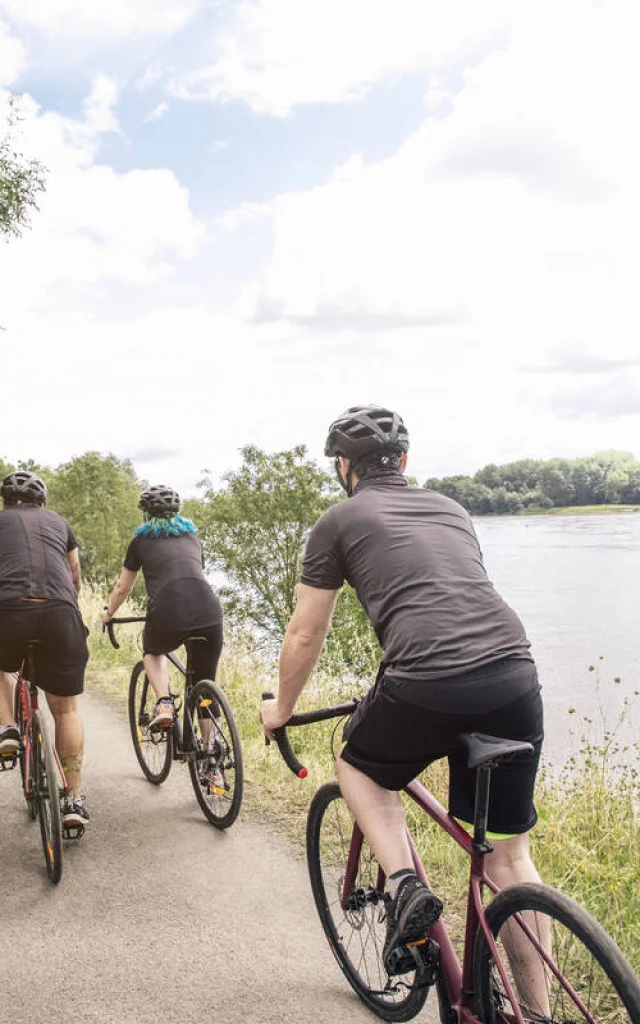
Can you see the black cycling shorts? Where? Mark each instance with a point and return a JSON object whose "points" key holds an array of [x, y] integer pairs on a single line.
{"points": [[156, 639], [61, 655], [394, 735]]}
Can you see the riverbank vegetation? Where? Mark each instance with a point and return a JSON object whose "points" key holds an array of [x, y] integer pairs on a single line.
{"points": [[603, 481]]}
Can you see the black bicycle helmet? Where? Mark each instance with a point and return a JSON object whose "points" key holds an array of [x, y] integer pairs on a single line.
{"points": [[365, 429], [23, 488], [160, 502]]}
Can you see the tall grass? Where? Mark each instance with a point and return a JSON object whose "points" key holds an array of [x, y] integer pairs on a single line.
{"points": [[587, 841]]}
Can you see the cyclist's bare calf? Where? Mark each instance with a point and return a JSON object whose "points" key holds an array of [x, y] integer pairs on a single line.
{"points": [[379, 814], [510, 863], [7, 680], [69, 735], [157, 669]]}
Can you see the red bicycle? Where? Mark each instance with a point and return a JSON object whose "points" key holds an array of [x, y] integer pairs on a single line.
{"points": [[43, 780], [571, 971]]}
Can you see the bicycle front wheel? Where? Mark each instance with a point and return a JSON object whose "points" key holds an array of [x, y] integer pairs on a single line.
{"points": [[355, 922], [47, 798], [153, 748], [585, 980], [215, 765], [28, 780]]}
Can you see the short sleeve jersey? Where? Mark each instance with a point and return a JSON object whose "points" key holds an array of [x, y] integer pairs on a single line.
{"points": [[178, 594], [34, 544], [414, 560]]}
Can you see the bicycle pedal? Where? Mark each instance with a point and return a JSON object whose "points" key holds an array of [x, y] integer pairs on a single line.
{"points": [[8, 762], [422, 955]]}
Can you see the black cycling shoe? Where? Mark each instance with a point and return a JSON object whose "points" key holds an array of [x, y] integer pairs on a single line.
{"points": [[409, 915]]}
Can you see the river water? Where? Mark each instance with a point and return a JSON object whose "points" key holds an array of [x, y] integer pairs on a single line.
{"points": [[575, 583]]}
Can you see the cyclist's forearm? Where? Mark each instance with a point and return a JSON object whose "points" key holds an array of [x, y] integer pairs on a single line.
{"points": [[298, 657], [119, 595]]}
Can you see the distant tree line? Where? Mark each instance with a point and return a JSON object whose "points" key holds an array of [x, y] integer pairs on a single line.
{"points": [[254, 526], [606, 478]]}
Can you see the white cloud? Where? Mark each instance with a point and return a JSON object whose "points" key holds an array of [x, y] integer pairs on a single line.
{"points": [[501, 233], [277, 54], [100, 19], [157, 112], [99, 107], [13, 56], [95, 226], [512, 212]]}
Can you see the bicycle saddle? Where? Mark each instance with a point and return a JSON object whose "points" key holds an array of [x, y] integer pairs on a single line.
{"points": [[483, 748]]}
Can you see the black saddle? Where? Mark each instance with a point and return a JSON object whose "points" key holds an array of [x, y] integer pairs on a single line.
{"points": [[482, 748]]}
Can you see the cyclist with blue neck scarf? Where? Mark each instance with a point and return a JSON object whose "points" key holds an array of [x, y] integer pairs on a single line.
{"points": [[180, 601]]}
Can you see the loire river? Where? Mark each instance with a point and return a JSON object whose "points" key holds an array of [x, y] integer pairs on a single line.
{"points": [[575, 582]]}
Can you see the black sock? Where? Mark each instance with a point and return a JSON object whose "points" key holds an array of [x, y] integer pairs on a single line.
{"points": [[395, 880]]}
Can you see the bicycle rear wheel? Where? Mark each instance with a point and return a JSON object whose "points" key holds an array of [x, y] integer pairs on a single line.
{"points": [[153, 748], [47, 798], [215, 765], [22, 754], [356, 934], [588, 980]]}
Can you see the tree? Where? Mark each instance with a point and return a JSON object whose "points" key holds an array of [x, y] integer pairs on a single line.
{"points": [[98, 495], [254, 530], [21, 179]]}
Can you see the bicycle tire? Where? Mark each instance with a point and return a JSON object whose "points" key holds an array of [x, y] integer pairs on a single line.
{"points": [[589, 960], [47, 798], [218, 750], [154, 751], [22, 752], [397, 999]]}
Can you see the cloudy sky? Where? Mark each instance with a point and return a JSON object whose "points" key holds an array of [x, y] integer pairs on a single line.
{"points": [[261, 211]]}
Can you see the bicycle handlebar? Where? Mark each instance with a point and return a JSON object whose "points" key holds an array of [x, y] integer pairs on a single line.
{"points": [[305, 718], [108, 627]]}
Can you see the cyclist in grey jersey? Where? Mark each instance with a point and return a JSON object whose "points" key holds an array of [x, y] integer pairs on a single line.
{"points": [[39, 584], [456, 659]]}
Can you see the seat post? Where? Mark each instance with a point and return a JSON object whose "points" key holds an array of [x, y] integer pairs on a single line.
{"points": [[483, 784]]}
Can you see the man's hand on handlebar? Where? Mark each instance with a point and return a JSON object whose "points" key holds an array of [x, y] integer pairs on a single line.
{"points": [[272, 717]]}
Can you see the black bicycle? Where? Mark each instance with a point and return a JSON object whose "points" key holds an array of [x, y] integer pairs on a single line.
{"points": [[206, 737]]}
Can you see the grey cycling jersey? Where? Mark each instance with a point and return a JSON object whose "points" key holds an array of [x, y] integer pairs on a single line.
{"points": [[34, 544], [413, 557]]}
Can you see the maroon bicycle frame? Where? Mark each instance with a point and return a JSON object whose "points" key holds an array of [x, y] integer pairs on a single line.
{"points": [[28, 695], [457, 979]]}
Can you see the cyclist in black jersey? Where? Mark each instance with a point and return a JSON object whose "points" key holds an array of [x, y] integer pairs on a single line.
{"points": [[39, 586], [180, 601], [456, 659]]}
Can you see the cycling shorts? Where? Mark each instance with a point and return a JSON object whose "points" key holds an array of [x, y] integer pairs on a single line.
{"points": [[402, 726], [61, 655], [156, 639]]}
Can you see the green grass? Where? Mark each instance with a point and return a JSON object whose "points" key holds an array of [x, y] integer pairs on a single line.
{"points": [[587, 841]]}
